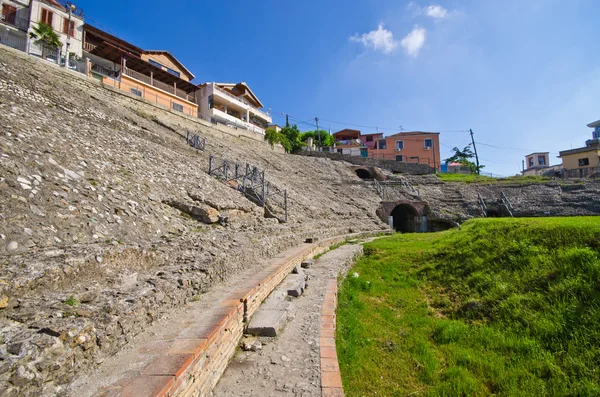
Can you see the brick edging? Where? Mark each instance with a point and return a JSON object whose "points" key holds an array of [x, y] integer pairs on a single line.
{"points": [[331, 380], [191, 362]]}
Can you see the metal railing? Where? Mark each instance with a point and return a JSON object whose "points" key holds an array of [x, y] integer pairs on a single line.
{"points": [[250, 181], [18, 43], [507, 204], [45, 52], [482, 204], [195, 141], [67, 4]]}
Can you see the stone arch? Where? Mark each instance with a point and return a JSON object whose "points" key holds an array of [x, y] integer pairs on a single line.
{"points": [[406, 218], [363, 173]]}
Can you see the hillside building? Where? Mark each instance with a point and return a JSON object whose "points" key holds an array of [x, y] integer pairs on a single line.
{"points": [[410, 147], [583, 161]]}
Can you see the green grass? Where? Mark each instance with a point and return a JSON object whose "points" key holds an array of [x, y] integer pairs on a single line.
{"points": [[507, 307], [72, 301], [473, 178]]}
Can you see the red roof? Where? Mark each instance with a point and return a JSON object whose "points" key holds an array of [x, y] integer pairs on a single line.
{"points": [[411, 133]]}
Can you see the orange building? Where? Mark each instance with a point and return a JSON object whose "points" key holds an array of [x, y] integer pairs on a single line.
{"points": [[156, 76], [410, 147]]}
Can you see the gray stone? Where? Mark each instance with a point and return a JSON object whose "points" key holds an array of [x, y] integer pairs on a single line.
{"points": [[307, 263], [267, 322], [12, 246]]}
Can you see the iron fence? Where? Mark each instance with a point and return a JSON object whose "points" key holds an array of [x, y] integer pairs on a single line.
{"points": [[16, 42], [250, 181], [195, 141]]}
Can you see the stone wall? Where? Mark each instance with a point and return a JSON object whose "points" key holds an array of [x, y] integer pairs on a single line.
{"points": [[392, 165]]}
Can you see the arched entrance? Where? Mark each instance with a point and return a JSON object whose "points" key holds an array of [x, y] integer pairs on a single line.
{"points": [[363, 174], [405, 218]]}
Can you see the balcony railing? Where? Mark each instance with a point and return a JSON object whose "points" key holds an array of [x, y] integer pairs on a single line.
{"points": [[104, 71], [12, 19], [159, 84], [66, 4], [88, 47], [245, 102]]}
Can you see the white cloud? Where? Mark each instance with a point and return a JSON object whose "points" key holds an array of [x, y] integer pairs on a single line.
{"points": [[436, 12], [379, 40], [414, 41]]}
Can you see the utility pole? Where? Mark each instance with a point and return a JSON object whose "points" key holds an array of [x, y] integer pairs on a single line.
{"points": [[287, 120], [475, 149], [318, 132], [434, 156], [71, 9]]}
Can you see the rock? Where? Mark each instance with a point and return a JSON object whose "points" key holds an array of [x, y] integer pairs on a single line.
{"points": [[72, 174], [12, 246], [311, 240], [307, 263], [15, 348], [28, 231], [4, 302]]}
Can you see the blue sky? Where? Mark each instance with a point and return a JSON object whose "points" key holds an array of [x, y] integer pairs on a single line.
{"points": [[523, 74]]}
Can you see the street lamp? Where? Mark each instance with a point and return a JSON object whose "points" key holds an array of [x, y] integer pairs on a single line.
{"points": [[71, 9]]}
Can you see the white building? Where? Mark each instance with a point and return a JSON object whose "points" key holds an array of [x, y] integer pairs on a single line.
{"points": [[234, 105], [14, 23], [56, 14]]}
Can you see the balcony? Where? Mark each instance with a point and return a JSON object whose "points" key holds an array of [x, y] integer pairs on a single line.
{"points": [[12, 20], [171, 89], [232, 121], [241, 102]]}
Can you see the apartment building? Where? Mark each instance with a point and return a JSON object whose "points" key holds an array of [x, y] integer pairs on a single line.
{"points": [[583, 161], [409, 147], [154, 75], [20, 17], [348, 138], [234, 105]]}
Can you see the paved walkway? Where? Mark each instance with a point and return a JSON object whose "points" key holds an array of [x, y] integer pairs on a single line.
{"points": [[289, 365]]}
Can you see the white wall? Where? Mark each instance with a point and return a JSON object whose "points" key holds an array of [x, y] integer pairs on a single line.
{"points": [[57, 24]]}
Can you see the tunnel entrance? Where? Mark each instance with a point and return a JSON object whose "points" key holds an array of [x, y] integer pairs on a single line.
{"points": [[405, 218], [363, 174]]}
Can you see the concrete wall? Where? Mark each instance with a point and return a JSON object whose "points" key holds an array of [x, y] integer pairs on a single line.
{"points": [[395, 166]]}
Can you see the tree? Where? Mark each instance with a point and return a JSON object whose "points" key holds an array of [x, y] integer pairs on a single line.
{"points": [[45, 37], [462, 157], [288, 137], [326, 138]]}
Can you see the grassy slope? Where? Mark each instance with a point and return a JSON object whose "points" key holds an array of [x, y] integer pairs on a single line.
{"points": [[507, 307], [471, 178]]}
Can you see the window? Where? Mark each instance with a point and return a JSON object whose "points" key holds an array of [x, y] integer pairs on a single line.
{"points": [[369, 138], [530, 161], [541, 160], [9, 14], [428, 143], [47, 16], [382, 144], [584, 162], [399, 145], [211, 101], [178, 107], [158, 65], [69, 31], [399, 157], [135, 91], [596, 131], [174, 72]]}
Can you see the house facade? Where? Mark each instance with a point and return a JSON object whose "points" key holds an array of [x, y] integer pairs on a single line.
{"points": [[14, 23], [409, 147], [234, 105], [536, 163], [20, 17], [583, 161], [156, 76], [68, 26], [349, 139]]}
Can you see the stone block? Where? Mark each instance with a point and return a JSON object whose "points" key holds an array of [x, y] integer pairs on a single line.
{"points": [[306, 264], [267, 322], [311, 240]]}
